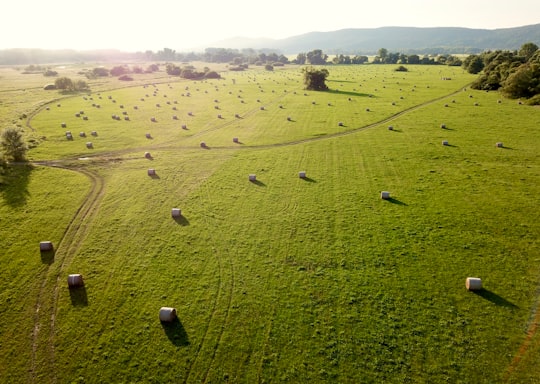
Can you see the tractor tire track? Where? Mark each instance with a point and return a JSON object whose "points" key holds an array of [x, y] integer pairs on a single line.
{"points": [[68, 246]]}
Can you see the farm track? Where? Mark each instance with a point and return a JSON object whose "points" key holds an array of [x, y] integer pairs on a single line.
{"points": [[68, 246]]}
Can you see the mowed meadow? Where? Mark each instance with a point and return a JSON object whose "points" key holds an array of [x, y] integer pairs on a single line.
{"points": [[281, 279]]}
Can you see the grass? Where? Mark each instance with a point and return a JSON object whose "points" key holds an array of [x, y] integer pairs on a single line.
{"points": [[285, 279]]}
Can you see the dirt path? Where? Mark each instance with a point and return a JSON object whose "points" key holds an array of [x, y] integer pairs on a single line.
{"points": [[43, 335]]}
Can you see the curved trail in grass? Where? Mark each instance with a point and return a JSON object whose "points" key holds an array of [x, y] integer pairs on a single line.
{"points": [[68, 246]]}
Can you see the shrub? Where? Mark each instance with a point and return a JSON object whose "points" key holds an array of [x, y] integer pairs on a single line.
{"points": [[125, 78], [401, 68]]}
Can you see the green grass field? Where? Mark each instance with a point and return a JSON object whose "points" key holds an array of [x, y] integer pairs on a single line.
{"points": [[284, 279]]}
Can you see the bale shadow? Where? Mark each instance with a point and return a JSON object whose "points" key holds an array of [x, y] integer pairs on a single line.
{"points": [[78, 296], [155, 176], [14, 183], [495, 298], [396, 201], [47, 257], [258, 182], [181, 220], [308, 179], [176, 332], [349, 93]]}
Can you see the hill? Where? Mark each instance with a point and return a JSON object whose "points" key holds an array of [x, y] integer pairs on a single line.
{"points": [[402, 39]]}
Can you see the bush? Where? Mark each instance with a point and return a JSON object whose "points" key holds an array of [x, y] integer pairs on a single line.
{"points": [[401, 68], [125, 78]]}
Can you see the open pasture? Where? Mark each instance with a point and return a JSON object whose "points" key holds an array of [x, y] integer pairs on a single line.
{"points": [[282, 279]]}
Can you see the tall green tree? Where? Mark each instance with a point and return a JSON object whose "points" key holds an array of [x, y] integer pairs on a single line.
{"points": [[13, 145], [527, 50], [315, 79]]}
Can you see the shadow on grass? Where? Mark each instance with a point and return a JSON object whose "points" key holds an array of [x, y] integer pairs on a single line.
{"points": [[349, 93], [14, 181], [396, 201], [181, 220], [258, 182], [47, 257], [78, 296], [309, 179], [176, 332], [155, 176], [494, 298]]}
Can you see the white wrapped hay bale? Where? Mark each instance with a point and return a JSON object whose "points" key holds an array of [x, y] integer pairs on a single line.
{"points": [[167, 314], [176, 212], [385, 195], [75, 280], [473, 283], [45, 246]]}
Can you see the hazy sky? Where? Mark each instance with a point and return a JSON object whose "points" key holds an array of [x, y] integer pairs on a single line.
{"points": [[183, 24]]}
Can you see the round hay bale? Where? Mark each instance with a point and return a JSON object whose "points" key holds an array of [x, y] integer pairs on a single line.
{"points": [[151, 172], [385, 195], [302, 174], [445, 142], [235, 139], [184, 126], [63, 125], [75, 280], [69, 136], [148, 155], [176, 212], [89, 145], [390, 128], [443, 126], [203, 144], [167, 314], [252, 177], [85, 117], [499, 145], [82, 134], [340, 124], [148, 136], [473, 283], [45, 246], [93, 133]]}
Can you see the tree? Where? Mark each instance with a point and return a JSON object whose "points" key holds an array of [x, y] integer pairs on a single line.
{"points": [[527, 50], [473, 64], [314, 79], [13, 144], [64, 83], [316, 57], [383, 52]]}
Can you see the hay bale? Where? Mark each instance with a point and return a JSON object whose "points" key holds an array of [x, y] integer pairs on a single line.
{"points": [[82, 134], [85, 117], [445, 142], [385, 195], [390, 128], [203, 144], [151, 172], [302, 174], [75, 280], [176, 212], [153, 119], [184, 126], [148, 155], [499, 144], [63, 125], [45, 246], [175, 117], [89, 145], [148, 136], [167, 314], [69, 136], [443, 126], [252, 177], [340, 124], [93, 133], [473, 283], [289, 118], [235, 139]]}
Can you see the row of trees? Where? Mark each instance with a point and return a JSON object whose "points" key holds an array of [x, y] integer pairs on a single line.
{"points": [[515, 73]]}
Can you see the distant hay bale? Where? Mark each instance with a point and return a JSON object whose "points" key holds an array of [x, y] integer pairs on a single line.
{"points": [[69, 136], [499, 145], [75, 280], [252, 177], [237, 115], [443, 126], [175, 117], [473, 283], [167, 314], [385, 195], [445, 142], [262, 108], [126, 118], [302, 174], [93, 133], [219, 116], [82, 134], [85, 117], [203, 144], [77, 115], [499, 101], [151, 172], [121, 106], [446, 105], [476, 104], [340, 124], [390, 128], [45, 246], [289, 118], [190, 113], [147, 155], [89, 145], [148, 136], [153, 119], [63, 125], [367, 109], [235, 139], [176, 212]]}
